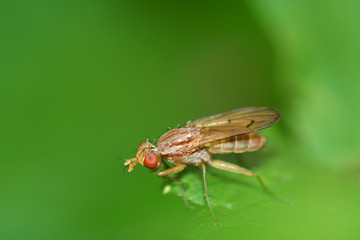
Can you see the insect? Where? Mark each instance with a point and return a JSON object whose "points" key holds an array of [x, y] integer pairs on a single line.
{"points": [[197, 141]]}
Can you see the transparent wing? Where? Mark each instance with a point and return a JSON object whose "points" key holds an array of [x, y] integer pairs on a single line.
{"points": [[233, 123]]}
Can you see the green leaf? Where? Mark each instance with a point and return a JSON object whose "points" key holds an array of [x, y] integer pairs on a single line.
{"points": [[320, 203]]}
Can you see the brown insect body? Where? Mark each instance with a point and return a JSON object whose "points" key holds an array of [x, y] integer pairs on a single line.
{"points": [[230, 132], [178, 142], [238, 144]]}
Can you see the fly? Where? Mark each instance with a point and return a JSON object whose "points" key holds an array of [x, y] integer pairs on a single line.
{"points": [[196, 142]]}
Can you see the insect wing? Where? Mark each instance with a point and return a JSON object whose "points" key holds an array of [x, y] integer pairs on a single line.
{"points": [[233, 123]]}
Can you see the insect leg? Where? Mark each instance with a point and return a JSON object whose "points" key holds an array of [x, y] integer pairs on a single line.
{"points": [[203, 167], [237, 169], [181, 189], [173, 170], [177, 168], [229, 167]]}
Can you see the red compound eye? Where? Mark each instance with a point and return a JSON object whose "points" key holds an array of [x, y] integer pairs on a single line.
{"points": [[150, 160]]}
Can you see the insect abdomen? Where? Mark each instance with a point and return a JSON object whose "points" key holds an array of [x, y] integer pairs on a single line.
{"points": [[238, 144]]}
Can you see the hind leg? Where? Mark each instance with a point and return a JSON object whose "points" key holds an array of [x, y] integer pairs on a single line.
{"points": [[229, 167]]}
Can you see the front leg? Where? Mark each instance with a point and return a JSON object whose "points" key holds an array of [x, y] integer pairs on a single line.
{"points": [[178, 168]]}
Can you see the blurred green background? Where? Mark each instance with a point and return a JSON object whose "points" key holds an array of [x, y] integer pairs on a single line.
{"points": [[84, 82]]}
